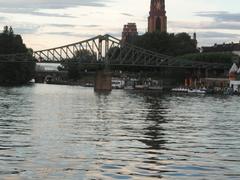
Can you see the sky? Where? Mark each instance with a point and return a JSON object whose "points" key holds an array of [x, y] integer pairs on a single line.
{"points": [[51, 23]]}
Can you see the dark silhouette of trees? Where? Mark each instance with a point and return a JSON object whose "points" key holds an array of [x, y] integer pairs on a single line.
{"points": [[217, 57], [74, 65], [11, 43], [113, 52], [85, 56], [14, 72], [167, 43]]}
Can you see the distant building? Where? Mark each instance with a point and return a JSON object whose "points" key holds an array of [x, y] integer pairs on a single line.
{"points": [[231, 47], [233, 72], [234, 77], [129, 32], [195, 39], [157, 20]]}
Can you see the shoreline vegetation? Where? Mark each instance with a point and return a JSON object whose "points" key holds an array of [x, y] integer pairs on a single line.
{"points": [[14, 73], [212, 57]]}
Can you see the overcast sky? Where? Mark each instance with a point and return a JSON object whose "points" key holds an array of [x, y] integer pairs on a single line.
{"points": [[50, 23]]}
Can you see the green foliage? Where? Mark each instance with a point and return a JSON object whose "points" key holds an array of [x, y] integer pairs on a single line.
{"points": [[113, 52], [225, 57], [73, 66], [168, 44], [11, 43], [84, 56], [14, 73]]}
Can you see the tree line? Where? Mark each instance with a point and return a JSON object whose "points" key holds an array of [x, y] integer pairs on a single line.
{"points": [[180, 45], [14, 72], [167, 43]]}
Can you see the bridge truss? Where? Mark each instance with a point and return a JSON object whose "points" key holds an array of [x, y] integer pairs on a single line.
{"points": [[110, 51]]}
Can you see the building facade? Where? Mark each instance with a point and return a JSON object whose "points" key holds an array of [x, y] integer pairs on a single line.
{"points": [[129, 32], [157, 20]]}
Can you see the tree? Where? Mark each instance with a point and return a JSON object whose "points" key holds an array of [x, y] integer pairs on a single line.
{"points": [[85, 56], [74, 65], [14, 72], [113, 52], [167, 43], [218, 57]]}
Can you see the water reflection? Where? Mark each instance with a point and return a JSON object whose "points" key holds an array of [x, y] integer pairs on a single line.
{"points": [[155, 131], [15, 126], [63, 132]]}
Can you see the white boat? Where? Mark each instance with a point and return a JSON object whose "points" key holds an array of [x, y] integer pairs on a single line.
{"points": [[187, 90], [181, 90], [89, 85], [197, 91], [118, 84]]}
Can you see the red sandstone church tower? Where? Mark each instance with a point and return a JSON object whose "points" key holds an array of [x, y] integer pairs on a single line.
{"points": [[157, 21]]}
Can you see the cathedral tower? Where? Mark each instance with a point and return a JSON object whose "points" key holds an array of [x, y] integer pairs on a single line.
{"points": [[157, 20]]}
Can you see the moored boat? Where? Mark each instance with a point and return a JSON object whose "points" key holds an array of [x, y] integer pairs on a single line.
{"points": [[181, 90], [197, 91], [190, 90]]}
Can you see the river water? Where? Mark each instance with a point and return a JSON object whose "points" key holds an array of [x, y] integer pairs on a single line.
{"points": [[65, 132]]}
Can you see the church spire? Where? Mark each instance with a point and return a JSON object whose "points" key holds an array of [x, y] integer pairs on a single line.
{"points": [[157, 20]]}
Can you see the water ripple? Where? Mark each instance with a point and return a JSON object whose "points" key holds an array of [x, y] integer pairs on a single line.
{"points": [[64, 132]]}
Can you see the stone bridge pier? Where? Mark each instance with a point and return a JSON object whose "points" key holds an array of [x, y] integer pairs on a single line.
{"points": [[103, 81]]}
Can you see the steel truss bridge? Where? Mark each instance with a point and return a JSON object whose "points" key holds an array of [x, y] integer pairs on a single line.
{"points": [[109, 51]]}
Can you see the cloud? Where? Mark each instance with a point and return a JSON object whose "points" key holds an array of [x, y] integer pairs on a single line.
{"points": [[222, 16], [219, 20], [208, 38], [221, 26], [222, 20], [30, 28], [211, 34], [90, 26], [33, 12], [205, 25], [51, 4], [61, 25], [33, 7], [127, 14], [26, 29], [67, 33], [21, 30], [112, 32]]}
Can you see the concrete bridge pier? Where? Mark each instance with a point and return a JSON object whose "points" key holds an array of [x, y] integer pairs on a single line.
{"points": [[103, 81]]}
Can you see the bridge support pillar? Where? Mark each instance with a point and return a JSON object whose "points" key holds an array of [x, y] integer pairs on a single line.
{"points": [[103, 81]]}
